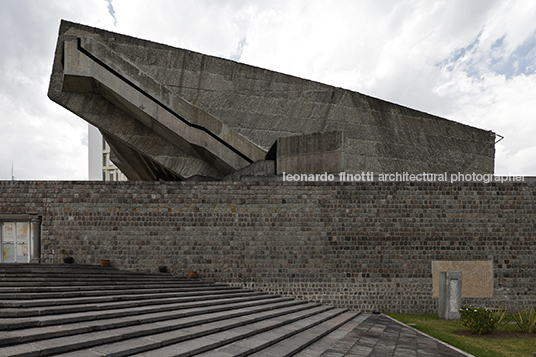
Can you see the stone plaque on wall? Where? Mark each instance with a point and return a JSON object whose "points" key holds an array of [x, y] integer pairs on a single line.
{"points": [[477, 276]]}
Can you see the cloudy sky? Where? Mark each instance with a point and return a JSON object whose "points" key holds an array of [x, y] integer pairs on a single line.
{"points": [[472, 61]]}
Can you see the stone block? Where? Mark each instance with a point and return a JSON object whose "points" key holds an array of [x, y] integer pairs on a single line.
{"points": [[477, 277], [128, 347], [450, 295]]}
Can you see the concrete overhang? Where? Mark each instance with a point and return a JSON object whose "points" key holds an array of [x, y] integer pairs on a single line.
{"points": [[91, 67], [173, 114]]}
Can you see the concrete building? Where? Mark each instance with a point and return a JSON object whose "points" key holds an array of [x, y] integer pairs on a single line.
{"points": [[172, 114]]}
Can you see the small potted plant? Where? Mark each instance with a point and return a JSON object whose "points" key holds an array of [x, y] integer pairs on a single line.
{"points": [[66, 258]]}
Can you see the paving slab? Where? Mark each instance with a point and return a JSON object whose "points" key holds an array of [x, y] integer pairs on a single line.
{"points": [[380, 336], [138, 330], [186, 348], [70, 343], [116, 300], [160, 311], [320, 346], [59, 294], [19, 323], [8, 338], [149, 304], [294, 344], [209, 335], [126, 348], [155, 329], [26, 350], [83, 353], [266, 333], [43, 333]]}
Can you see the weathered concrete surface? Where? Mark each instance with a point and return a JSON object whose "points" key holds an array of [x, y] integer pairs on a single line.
{"points": [[174, 114], [311, 153]]}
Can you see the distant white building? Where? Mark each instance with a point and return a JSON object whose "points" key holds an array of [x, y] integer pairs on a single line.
{"points": [[101, 168]]}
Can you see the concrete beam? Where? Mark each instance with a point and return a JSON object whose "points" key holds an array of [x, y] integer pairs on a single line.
{"points": [[84, 74]]}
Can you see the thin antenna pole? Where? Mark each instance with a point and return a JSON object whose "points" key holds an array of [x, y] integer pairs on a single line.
{"points": [[12, 175]]}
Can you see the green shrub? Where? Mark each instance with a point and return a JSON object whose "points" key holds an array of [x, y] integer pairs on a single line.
{"points": [[480, 320], [526, 320]]}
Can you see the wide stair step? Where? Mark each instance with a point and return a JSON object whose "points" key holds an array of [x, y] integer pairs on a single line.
{"points": [[175, 310], [344, 335], [44, 300], [159, 303], [133, 343], [69, 310], [61, 292], [298, 342]]}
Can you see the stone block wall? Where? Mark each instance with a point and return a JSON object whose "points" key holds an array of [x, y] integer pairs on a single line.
{"points": [[367, 245]]}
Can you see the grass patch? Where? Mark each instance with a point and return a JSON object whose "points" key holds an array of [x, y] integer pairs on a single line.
{"points": [[507, 341]]}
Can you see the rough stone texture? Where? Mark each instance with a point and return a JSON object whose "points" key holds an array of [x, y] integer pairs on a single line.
{"points": [[360, 245], [477, 276], [170, 113]]}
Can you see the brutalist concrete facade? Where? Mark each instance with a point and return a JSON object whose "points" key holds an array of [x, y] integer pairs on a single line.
{"points": [[360, 245], [173, 114]]}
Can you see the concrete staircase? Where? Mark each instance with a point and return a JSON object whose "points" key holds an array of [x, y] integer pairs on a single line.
{"points": [[82, 310]]}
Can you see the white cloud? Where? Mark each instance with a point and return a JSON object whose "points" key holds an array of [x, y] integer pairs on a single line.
{"points": [[43, 140], [505, 106], [518, 163], [470, 61], [484, 86], [211, 27]]}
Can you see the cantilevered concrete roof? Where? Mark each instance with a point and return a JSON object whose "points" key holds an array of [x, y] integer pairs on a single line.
{"points": [[169, 113]]}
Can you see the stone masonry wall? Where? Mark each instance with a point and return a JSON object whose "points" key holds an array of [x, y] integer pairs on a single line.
{"points": [[360, 245]]}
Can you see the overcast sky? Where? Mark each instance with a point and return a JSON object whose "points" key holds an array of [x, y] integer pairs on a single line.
{"points": [[472, 61]]}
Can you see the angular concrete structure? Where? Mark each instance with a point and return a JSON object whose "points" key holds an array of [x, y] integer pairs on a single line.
{"points": [[173, 114]]}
